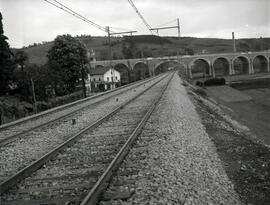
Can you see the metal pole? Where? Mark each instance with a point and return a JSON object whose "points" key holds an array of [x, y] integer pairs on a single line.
{"points": [[178, 26], [83, 82], [261, 43], [110, 54], [234, 47], [34, 95]]}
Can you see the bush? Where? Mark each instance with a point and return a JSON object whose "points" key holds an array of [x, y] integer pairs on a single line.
{"points": [[199, 83], [214, 81]]}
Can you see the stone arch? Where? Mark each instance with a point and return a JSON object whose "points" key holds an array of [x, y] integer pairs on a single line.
{"points": [[221, 66], [124, 72], [200, 68], [140, 71], [165, 66], [260, 64], [241, 65]]}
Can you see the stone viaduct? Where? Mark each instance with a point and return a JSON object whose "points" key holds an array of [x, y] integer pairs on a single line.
{"points": [[198, 65]]}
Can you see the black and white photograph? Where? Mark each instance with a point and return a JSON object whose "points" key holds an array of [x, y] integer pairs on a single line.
{"points": [[134, 102]]}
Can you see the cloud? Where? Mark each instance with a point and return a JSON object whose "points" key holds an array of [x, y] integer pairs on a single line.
{"points": [[29, 21]]}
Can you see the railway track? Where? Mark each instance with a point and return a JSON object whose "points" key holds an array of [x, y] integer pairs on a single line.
{"points": [[15, 155], [123, 183], [11, 131], [78, 170]]}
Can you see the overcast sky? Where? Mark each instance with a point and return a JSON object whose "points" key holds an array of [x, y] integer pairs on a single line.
{"points": [[29, 21]]}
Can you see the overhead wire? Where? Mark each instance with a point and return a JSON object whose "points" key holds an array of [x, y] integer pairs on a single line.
{"points": [[140, 15], [75, 14]]}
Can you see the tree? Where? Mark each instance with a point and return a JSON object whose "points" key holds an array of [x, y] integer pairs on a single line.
{"points": [[6, 61], [66, 59], [189, 51], [21, 58], [127, 50]]}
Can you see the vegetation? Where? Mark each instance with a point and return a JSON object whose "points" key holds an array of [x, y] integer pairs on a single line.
{"points": [[149, 39], [6, 62], [136, 46], [23, 82], [21, 58], [215, 81], [66, 60]]}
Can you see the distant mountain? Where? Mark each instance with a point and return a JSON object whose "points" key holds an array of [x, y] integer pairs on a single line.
{"points": [[151, 46]]}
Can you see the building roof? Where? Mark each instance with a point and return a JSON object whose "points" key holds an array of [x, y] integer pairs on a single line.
{"points": [[99, 71]]}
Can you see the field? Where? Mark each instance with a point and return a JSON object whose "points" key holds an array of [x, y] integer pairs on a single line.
{"points": [[252, 110]]}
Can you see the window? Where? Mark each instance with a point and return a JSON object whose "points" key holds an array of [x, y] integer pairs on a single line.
{"points": [[115, 77], [99, 79], [112, 78], [108, 79], [94, 79]]}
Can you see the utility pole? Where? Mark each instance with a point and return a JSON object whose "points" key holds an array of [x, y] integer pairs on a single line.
{"points": [[233, 39], [34, 95], [110, 53], [110, 46], [83, 81], [178, 24]]}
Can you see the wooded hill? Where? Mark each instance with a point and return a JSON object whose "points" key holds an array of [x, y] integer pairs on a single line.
{"points": [[151, 46]]}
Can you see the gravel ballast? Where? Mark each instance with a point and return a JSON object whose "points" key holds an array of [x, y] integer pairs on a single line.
{"points": [[23, 151], [180, 164]]}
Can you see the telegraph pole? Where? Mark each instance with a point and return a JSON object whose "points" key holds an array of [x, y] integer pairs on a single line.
{"points": [[83, 80], [178, 25], [110, 53], [34, 95], [110, 46], [234, 47]]}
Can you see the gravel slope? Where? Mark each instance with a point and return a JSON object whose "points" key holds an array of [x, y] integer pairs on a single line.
{"points": [[181, 164]]}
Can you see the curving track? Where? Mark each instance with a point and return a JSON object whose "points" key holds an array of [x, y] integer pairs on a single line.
{"points": [[68, 177]]}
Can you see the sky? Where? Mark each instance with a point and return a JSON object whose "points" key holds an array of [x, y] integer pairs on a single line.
{"points": [[33, 21]]}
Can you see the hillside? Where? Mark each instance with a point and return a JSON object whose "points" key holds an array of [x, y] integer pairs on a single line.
{"points": [[152, 46]]}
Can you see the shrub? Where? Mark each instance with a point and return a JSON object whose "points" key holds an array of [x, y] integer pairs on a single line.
{"points": [[199, 83], [215, 81]]}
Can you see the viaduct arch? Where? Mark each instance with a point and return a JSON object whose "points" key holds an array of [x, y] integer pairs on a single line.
{"points": [[260, 64], [124, 73], [212, 65], [140, 71], [165, 66], [221, 66]]}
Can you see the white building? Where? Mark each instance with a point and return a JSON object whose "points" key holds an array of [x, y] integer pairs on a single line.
{"points": [[104, 78]]}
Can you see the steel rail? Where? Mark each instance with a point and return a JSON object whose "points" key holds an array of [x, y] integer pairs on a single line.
{"points": [[102, 183], [61, 107], [10, 139], [20, 175]]}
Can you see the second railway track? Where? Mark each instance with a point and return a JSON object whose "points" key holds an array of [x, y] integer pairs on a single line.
{"points": [[10, 131], [15, 155], [67, 178]]}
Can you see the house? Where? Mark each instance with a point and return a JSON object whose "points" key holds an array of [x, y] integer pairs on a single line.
{"points": [[104, 78]]}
